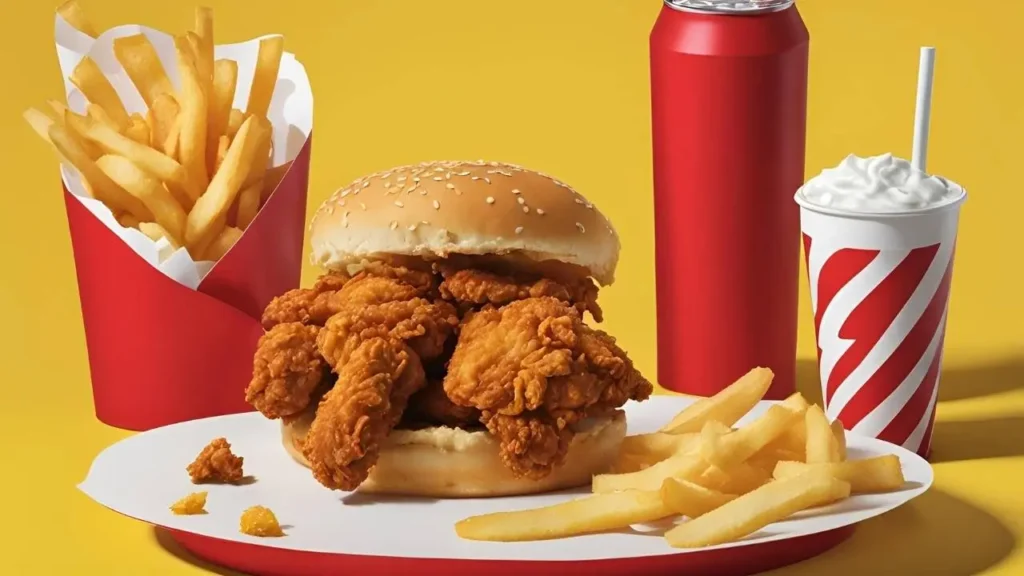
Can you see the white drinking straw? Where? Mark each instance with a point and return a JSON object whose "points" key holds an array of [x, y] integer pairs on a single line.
{"points": [[923, 112]]}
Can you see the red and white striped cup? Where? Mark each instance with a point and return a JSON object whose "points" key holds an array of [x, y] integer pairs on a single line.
{"points": [[880, 291]]}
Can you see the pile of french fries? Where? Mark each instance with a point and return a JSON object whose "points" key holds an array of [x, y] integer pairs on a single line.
{"points": [[192, 169], [722, 482]]}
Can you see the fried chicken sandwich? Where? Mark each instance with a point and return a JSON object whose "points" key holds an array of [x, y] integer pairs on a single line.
{"points": [[445, 350]]}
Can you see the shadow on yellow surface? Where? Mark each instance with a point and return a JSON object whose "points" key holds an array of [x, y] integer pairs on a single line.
{"points": [[935, 534]]}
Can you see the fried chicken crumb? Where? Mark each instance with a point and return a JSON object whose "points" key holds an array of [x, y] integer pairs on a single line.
{"points": [[194, 503], [260, 521], [216, 463]]}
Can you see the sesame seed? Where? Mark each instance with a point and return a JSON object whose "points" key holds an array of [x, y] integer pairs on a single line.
{"points": [[463, 174], [423, 191], [399, 204], [477, 178], [341, 202], [486, 179], [611, 232], [366, 184], [521, 200], [403, 178], [448, 176], [363, 206], [494, 164], [424, 222], [540, 211], [438, 169], [490, 199], [578, 201], [526, 209], [516, 191], [438, 178], [519, 229], [437, 205], [394, 224], [450, 186], [345, 192], [416, 179], [412, 227], [581, 228], [590, 206], [385, 175]]}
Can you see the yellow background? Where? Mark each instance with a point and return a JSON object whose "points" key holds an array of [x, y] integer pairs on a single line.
{"points": [[561, 86]]}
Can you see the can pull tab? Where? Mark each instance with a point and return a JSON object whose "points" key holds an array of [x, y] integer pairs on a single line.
{"points": [[729, 6]]}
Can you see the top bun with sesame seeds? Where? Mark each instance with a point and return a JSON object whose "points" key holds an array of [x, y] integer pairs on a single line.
{"points": [[435, 210]]}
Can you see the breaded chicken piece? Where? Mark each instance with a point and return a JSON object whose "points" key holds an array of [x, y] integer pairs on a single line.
{"points": [[216, 463], [478, 287], [305, 305], [287, 367], [535, 361], [431, 406], [373, 388]]}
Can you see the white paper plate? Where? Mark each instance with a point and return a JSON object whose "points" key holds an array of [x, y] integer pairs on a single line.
{"points": [[142, 475]]}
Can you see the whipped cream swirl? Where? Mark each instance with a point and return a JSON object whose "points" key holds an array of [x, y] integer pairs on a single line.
{"points": [[883, 183]]}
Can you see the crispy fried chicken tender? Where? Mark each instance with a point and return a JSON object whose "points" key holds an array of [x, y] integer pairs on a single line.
{"points": [[533, 369], [305, 305], [287, 368], [478, 288]]}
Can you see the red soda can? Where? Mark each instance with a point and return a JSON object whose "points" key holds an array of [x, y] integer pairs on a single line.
{"points": [[729, 109]]}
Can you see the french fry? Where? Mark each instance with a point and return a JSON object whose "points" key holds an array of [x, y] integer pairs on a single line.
{"points": [[222, 94], [268, 63], [40, 123], [222, 243], [727, 406], [754, 510], [100, 115], [192, 118], [155, 232], [166, 210], [235, 119], [102, 187], [221, 151], [138, 130], [737, 479], [142, 64], [226, 183], [691, 500], [738, 446], [128, 221], [582, 516], [73, 14], [659, 444], [145, 157], [768, 457], [59, 109], [171, 144], [878, 474], [793, 440], [162, 116], [683, 466], [88, 78], [248, 204], [203, 47], [821, 441], [199, 250], [840, 433], [272, 179], [626, 463]]}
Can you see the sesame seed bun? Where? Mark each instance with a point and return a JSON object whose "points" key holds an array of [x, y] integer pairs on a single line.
{"points": [[442, 462], [436, 209]]}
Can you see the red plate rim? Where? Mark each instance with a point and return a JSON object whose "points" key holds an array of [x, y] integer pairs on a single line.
{"points": [[269, 561]]}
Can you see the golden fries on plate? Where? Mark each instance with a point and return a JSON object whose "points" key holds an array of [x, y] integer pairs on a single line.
{"points": [[719, 483], [191, 168]]}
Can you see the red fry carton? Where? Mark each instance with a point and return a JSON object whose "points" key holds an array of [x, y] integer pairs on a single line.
{"points": [[171, 339]]}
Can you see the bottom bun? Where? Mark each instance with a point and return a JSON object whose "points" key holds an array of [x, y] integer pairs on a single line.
{"points": [[447, 462]]}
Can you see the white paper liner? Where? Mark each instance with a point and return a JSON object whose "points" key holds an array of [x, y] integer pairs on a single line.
{"points": [[142, 475], [291, 113]]}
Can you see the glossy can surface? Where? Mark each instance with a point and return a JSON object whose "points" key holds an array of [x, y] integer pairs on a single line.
{"points": [[729, 101]]}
